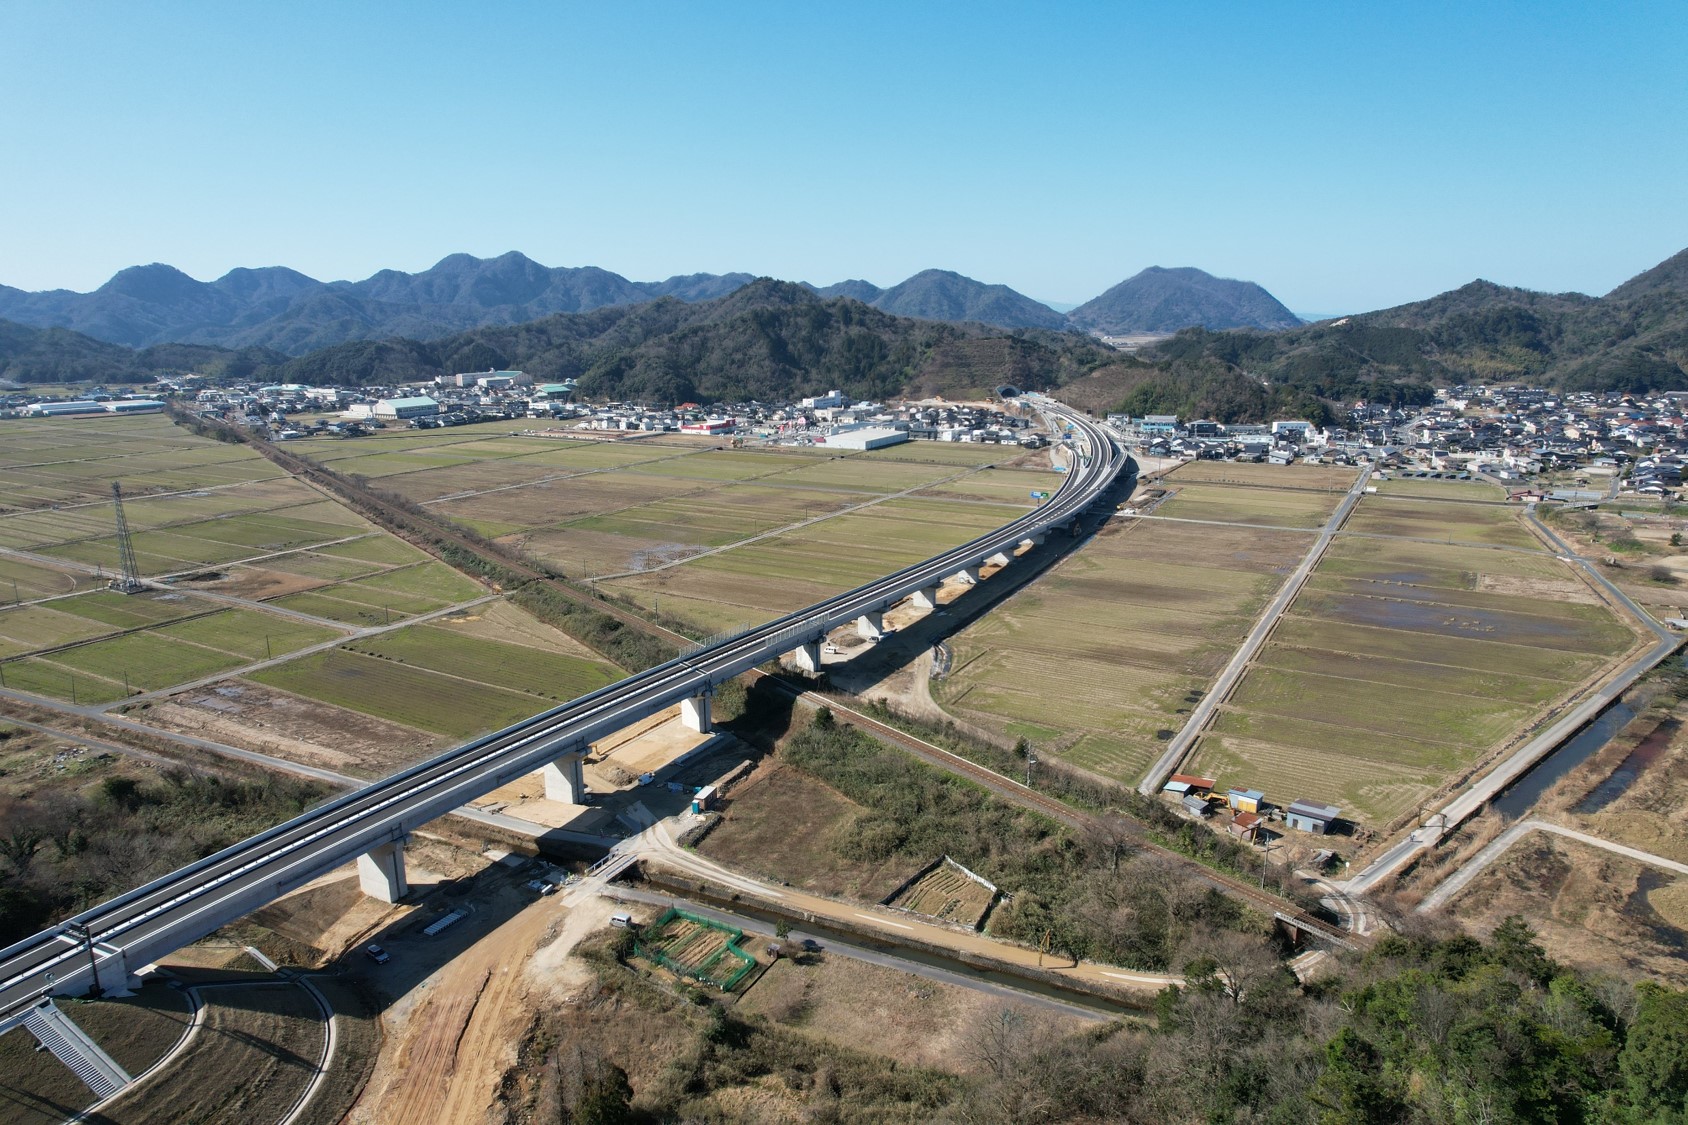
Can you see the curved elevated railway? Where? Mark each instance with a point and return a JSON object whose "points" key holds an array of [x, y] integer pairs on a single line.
{"points": [[185, 905]]}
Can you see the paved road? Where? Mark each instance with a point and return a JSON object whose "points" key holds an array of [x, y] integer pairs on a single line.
{"points": [[1184, 739], [1467, 804], [1470, 870], [657, 845], [836, 946]]}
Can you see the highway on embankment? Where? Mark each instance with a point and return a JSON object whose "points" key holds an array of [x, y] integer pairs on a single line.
{"points": [[183, 906]]}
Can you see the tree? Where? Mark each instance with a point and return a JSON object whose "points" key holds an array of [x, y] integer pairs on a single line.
{"points": [[1654, 1062], [606, 1097]]}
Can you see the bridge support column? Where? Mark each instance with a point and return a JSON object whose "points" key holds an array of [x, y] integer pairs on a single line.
{"points": [[111, 975], [694, 714], [565, 781], [968, 575], [924, 598], [871, 625], [1033, 541], [1001, 558], [381, 872], [808, 656]]}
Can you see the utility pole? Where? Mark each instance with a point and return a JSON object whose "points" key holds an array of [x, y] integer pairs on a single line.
{"points": [[81, 930], [1031, 760]]}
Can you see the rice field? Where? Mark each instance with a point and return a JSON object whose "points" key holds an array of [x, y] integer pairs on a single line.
{"points": [[1229, 503], [453, 705], [1432, 632], [1098, 663]]}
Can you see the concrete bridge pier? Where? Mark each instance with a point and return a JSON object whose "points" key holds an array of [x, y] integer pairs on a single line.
{"points": [[871, 625], [924, 598], [1033, 541], [808, 656], [968, 575], [565, 781], [694, 714], [112, 975], [1001, 558], [381, 872]]}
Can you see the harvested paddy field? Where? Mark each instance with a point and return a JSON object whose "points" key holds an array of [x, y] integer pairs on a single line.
{"points": [[100, 647], [1431, 633], [599, 509], [1325, 478], [1101, 658], [761, 580], [1589, 907], [1248, 504], [69, 461]]}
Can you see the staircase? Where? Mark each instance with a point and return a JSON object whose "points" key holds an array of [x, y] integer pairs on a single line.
{"points": [[70, 1045]]}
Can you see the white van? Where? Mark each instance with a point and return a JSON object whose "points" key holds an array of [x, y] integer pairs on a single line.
{"points": [[622, 921]]}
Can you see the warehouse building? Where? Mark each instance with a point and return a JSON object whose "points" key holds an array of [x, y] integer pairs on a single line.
{"points": [[869, 437], [398, 409]]}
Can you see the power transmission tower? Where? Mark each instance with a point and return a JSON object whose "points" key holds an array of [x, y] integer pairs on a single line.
{"points": [[130, 582]]}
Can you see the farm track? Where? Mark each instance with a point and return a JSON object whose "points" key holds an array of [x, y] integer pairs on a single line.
{"points": [[1060, 811], [399, 520]]}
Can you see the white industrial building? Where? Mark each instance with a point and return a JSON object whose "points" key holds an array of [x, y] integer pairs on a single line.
{"points": [[869, 437]]}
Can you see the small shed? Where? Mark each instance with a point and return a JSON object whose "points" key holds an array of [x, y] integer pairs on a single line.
{"points": [[1195, 804], [1245, 800], [1188, 783], [1244, 826], [1310, 816]]}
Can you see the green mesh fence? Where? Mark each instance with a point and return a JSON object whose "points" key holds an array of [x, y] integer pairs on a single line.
{"points": [[723, 967]]}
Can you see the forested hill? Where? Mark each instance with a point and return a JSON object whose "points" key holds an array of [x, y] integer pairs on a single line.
{"points": [[1166, 300], [768, 339], [1635, 338]]}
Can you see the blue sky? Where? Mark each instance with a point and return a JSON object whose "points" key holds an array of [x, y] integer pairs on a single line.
{"points": [[1346, 155]]}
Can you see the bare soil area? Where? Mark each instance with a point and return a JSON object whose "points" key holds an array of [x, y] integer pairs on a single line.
{"points": [[783, 825], [450, 1039], [288, 726], [253, 582], [917, 1021]]}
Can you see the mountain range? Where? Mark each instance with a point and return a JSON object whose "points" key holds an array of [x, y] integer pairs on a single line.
{"points": [[284, 310]]}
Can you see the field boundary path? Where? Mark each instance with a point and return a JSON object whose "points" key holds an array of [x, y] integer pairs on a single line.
{"points": [[1244, 656], [1469, 803], [1458, 881]]}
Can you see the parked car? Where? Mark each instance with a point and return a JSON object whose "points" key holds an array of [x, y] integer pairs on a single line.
{"points": [[376, 954]]}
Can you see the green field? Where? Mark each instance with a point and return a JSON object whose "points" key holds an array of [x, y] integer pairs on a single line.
{"points": [[548, 675], [443, 704], [248, 634]]}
